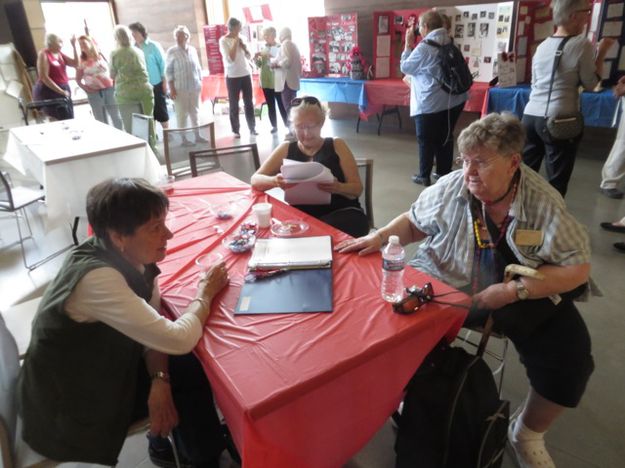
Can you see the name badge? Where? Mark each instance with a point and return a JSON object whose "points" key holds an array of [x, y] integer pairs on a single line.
{"points": [[528, 237]]}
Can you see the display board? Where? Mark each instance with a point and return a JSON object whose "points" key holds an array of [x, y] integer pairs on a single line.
{"points": [[332, 38], [212, 33], [480, 31], [389, 32], [607, 21]]}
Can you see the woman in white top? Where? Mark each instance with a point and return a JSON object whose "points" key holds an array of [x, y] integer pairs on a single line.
{"points": [[287, 69], [238, 78], [578, 65]]}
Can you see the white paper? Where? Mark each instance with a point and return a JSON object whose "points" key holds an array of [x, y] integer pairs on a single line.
{"points": [[506, 72], [523, 10], [306, 176], [384, 46], [15, 89], [612, 52], [612, 28], [382, 67], [542, 30], [607, 70], [615, 10], [521, 47], [294, 252], [521, 29], [594, 22]]}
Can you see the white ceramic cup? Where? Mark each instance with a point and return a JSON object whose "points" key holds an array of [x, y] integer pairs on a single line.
{"points": [[263, 214]]}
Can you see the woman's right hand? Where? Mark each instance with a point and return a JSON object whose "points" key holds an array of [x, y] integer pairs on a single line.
{"points": [[604, 44], [363, 245], [213, 281]]}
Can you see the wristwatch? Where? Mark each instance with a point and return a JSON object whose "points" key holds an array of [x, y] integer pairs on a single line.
{"points": [[164, 376], [521, 291]]}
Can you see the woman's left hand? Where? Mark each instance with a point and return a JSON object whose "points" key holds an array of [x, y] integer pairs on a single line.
{"points": [[332, 187], [163, 414], [495, 296]]}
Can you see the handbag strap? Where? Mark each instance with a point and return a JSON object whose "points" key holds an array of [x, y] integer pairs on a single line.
{"points": [[556, 63]]}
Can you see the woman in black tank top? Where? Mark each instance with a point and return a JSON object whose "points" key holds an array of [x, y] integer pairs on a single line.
{"points": [[344, 211]]}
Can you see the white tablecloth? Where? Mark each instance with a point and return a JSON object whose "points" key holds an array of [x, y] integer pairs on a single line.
{"points": [[69, 157]]}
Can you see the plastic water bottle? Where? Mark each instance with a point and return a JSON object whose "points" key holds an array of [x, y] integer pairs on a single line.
{"points": [[393, 262]]}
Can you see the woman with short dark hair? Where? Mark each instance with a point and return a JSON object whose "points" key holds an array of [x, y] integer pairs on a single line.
{"points": [[99, 348]]}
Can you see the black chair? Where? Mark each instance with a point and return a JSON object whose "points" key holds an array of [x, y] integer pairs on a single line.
{"points": [[36, 106], [239, 161], [178, 143], [365, 170]]}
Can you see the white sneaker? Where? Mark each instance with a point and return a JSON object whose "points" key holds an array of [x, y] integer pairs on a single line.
{"points": [[530, 453]]}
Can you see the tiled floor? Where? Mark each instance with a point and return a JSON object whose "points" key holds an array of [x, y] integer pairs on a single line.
{"points": [[590, 436]]}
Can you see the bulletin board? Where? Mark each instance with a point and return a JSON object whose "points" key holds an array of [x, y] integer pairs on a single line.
{"points": [[332, 38], [212, 33], [479, 31], [389, 33], [607, 21]]}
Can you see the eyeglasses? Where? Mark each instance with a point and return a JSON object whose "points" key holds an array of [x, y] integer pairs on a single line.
{"points": [[588, 11], [415, 299], [312, 100], [479, 163]]}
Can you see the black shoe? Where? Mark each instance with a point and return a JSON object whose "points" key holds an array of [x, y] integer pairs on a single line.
{"points": [[425, 181], [162, 454], [620, 246], [612, 193], [274, 130], [237, 134], [253, 132], [613, 228], [435, 176]]}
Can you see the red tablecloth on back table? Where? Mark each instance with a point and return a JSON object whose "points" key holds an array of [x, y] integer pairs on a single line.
{"points": [[394, 92], [214, 86], [298, 390]]}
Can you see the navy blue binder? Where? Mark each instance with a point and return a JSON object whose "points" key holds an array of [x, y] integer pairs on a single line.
{"points": [[295, 291]]}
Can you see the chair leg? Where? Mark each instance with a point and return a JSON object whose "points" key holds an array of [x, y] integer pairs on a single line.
{"points": [[174, 449]]}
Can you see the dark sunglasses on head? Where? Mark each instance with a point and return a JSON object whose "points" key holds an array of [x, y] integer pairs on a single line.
{"points": [[414, 300], [305, 99]]}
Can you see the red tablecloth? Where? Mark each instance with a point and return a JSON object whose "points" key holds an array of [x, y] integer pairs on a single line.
{"points": [[394, 92], [214, 86], [298, 390]]}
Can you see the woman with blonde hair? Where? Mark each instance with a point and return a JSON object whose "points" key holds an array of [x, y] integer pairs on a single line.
{"points": [[53, 82], [287, 68], [92, 75], [131, 77]]}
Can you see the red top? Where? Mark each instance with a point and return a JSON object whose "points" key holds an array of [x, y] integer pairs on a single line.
{"points": [[56, 68]]}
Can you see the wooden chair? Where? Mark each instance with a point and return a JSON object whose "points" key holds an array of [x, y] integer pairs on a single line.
{"points": [[178, 143], [238, 161], [365, 170]]}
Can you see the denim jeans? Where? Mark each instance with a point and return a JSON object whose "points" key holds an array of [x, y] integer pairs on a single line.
{"points": [[101, 98]]}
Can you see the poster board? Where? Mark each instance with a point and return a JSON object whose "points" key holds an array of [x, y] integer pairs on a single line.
{"points": [[212, 33], [389, 32], [331, 39], [608, 18]]}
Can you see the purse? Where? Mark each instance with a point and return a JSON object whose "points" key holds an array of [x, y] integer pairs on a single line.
{"points": [[564, 126]]}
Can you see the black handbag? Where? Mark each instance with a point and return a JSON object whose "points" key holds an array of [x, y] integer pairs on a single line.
{"points": [[564, 126]]}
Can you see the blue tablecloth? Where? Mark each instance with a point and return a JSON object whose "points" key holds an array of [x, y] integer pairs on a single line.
{"points": [[598, 108], [335, 90]]}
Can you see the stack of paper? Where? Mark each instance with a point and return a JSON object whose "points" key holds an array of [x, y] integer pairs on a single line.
{"points": [[292, 253], [305, 176]]}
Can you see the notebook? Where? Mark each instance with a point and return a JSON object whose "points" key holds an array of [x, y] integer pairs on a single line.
{"points": [[292, 253]]}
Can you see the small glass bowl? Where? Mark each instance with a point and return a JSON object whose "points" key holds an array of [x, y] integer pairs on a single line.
{"points": [[239, 242]]}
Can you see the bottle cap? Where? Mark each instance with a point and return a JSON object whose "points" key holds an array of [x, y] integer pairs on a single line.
{"points": [[393, 239]]}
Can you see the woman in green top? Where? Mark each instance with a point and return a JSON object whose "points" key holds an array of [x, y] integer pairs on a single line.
{"points": [[263, 61], [131, 78]]}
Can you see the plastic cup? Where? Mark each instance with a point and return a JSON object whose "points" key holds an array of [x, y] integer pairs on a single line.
{"points": [[262, 211], [207, 261], [166, 184]]}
